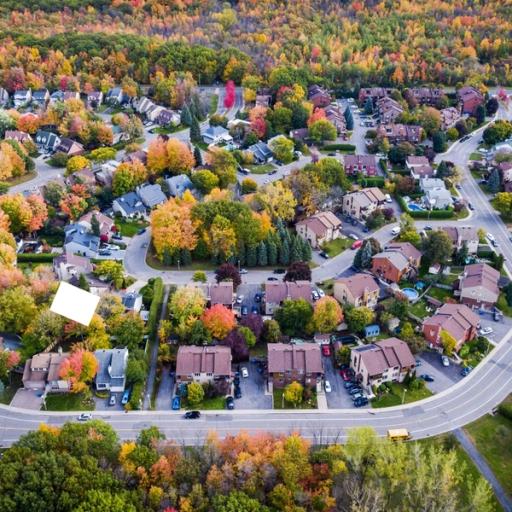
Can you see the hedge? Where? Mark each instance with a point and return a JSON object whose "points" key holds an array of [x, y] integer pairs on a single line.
{"points": [[374, 181], [156, 303], [340, 147], [425, 214], [137, 395], [505, 410], [36, 258]]}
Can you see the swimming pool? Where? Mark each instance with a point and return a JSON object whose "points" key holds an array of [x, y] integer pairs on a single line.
{"points": [[415, 208], [410, 293]]}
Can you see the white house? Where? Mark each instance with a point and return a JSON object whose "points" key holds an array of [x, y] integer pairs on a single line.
{"points": [[22, 98], [111, 375], [216, 135]]}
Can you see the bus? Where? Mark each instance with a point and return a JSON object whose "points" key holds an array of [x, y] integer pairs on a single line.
{"points": [[399, 434]]}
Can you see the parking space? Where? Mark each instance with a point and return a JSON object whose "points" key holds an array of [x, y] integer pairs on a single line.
{"points": [[253, 389], [339, 397], [102, 404], [499, 329], [444, 377], [249, 291], [27, 399]]}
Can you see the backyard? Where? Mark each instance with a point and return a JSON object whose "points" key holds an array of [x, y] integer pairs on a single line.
{"points": [[336, 246], [397, 396], [281, 403], [130, 227]]}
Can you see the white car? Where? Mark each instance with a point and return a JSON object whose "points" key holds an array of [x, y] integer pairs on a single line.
{"points": [[240, 299], [245, 372], [490, 237], [445, 361], [484, 331], [321, 292], [327, 386], [353, 236], [243, 271], [85, 416], [315, 295]]}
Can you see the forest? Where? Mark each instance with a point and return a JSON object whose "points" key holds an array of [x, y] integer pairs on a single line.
{"points": [[83, 467], [344, 44]]}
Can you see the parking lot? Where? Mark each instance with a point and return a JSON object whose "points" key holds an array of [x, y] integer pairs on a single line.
{"points": [[444, 377], [253, 389], [249, 291], [500, 329]]}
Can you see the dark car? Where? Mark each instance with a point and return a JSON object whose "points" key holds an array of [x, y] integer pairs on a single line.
{"points": [[471, 207], [257, 297], [355, 390], [244, 310], [230, 403], [323, 254], [361, 401], [427, 378], [428, 228], [141, 231], [255, 310], [466, 371], [192, 415], [176, 403], [349, 384], [238, 392], [279, 271], [272, 279]]}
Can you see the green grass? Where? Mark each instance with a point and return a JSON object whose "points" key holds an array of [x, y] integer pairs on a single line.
{"points": [[475, 156], [492, 436], [130, 227], [503, 306], [420, 309], [280, 403], [208, 404], [155, 263], [439, 293], [259, 350], [260, 169], [7, 392], [21, 179], [394, 397], [335, 247], [164, 130], [214, 103], [69, 402]]}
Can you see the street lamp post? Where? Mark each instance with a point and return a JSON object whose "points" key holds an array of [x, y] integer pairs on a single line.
{"points": [[403, 396], [178, 264]]}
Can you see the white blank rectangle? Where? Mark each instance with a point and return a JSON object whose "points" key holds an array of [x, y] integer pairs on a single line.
{"points": [[74, 303]]}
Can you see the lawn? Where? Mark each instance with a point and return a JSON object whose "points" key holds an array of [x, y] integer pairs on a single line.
{"points": [[475, 156], [130, 227], [22, 179], [394, 397], [492, 436], [420, 308], [69, 402], [7, 392], [208, 404], [155, 263], [503, 306], [163, 130], [439, 293], [261, 169], [214, 103], [281, 403], [336, 246]]}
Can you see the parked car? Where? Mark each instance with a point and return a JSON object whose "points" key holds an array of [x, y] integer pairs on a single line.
{"points": [[327, 386], [357, 244], [230, 403], [279, 271], [445, 361], [484, 331], [427, 378], [360, 401], [320, 292], [357, 396], [272, 278], [418, 363], [255, 310], [349, 384], [326, 350], [471, 207], [315, 295], [245, 372], [85, 416], [243, 271], [192, 415], [466, 371], [141, 231], [112, 400], [126, 397], [490, 237], [244, 310], [240, 299], [324, 255], [355, 390], [238, 392], [353, 236], [257, 297], [176, 403]]}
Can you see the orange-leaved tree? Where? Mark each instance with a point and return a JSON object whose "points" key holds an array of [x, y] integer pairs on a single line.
{"points": [[219, 320], [79, 369]]}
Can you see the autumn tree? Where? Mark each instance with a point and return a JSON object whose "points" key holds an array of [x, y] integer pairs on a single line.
{"points": [[76, 163], [282, 148], [186, 306], [358, 318], [219, 320], [79, 369], [195, 393], [327, 314], [228, 272], [278, 201], [294, 317], [205, 180], [322, 130], [180, 159], [448, 342], [223, 165], [128, 176], [298, 271], [437, 247], [8, 360], [293, 393]]}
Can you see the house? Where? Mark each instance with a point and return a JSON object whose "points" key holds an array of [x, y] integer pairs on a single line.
{"points": [[94, 99], [96, 286], [260, 152], [375, 93], [364, 164], [47, 141], [151, 195], [69, 147], [216, 135], [389, 110], [438, 198], [106, 174], [4, 97], [132, 302], [456, 319], [299, 134], [71, 95], [83, 177], [478, 286], [203, 364], [357, 290], [388, 360], [319, 228], [413, 162], [426, 95], [397, 261], [469, 99], [154, 112], [419, 167], [430, 184], [68, 265], [116, 96], [40, 98], [277, 292], [219, 293], [78, 241], [449, 117], [168, 118], [56, 96], [140, 155], [118, 134], [461, 235], [263, 100], [334, 114], [129, 205], [22, 98], [111, 374], [371, 331], [106, 223], [42, 372], [177, 185], [294, 362], [143, 105], [361, 203], [18, 136], [396, 133], [319, 96]]}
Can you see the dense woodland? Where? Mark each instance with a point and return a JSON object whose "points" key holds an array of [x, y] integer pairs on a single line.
{"points": [[84, 468], [346, 44]]}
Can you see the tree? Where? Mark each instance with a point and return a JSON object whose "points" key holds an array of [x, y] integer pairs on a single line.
{"points": [[221, 238], [195, 131], [358, 318], [8, 360], [294, 317], [278, 201], [186, 306], [197, 156], [349, 118], [254, 322], [327, 314], [95, 225], [128, 176], [76, 163], [298, 271], [237, 501], [480, 114], [430, 120], [199, 277], [262, 254], [494, 181], [18, 309], [16, 208], [219, 320], [249, 186], [461, 255], [449, 342], [205, 181], [112, 271], [271, 331], [293, 393], [228, 272], [437, 247], [322, 130], [128, 330], [343, 355], [195, 393], [282, 148], [239, 349], [491, 106], [102, 154], [79, 369], [502, 203], [229, 94], [180, 159], [223, 164], [249, 337]]}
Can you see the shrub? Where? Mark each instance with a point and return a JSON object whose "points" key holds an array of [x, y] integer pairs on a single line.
{"points": [[36, 258], [136, 398], [339, 147], [58, 160], [158, 293], [506, 411]]}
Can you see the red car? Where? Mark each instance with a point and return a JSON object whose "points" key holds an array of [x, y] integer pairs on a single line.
{"points": [[357, 244], [326, 350]]}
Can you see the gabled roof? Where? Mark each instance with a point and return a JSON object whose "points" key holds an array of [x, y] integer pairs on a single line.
{"points": [[151, 195], [389, 353], [78, 235], [319, 223], [215, 360], [305, 358], [261, 150], [480, 275], [359, 284], [111, 364], [455, 319], [130, 203], [277, 292]]}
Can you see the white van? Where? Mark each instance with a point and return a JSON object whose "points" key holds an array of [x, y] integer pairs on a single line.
{"points": [[388, 198], [395, 231]]}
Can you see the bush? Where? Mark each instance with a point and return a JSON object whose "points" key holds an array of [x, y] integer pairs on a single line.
{"points": [[154, 310], [137, 394], [339, 147], [505, 410], [36, 258], [58, 160]]}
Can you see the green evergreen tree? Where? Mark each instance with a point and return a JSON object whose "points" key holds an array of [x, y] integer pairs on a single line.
{"points": [[306, 250], [366, 255], [262, 254], [167, 258], [251, 256], [368, 106], [95, 226], [272, 252], [83, 283], [186, 116], [241, 253], [185, 257], [349, 118], [493, 183], [480, 114], [197, 156], [284, 253], [195, 130], [295, 252]]}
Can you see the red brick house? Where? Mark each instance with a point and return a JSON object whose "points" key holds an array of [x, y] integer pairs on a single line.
{"points": [[364, 164], [469, 99], [396, 133], [398, 260], [375, 93], [319, 96]]}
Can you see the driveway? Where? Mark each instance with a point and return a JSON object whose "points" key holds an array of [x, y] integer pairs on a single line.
{"points": [[444, 377], [27, 399], [102, 403], [164, 396], [249, 291], [500, 329], [253, 390]]}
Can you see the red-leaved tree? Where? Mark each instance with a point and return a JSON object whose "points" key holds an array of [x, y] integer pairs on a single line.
{"points": [[219, 320], [79, 369], [230, 93]]}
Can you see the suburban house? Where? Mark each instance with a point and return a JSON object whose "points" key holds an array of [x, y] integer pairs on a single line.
{"points": [[469, 99], [151, 195], [389, 110], [118, 134], [106, 173], [179, 184], [56, 96], [82, 177], [140, 155], [388, 360], [203, 364], [430, 184], [116, 96], [426, 95], [396, 133], [419, 167], [456, 319], [478, 286], [357, 290], [96, 286], [294, 362], [68, 265], [42, 372], [69, 147], [94, 99], [449, 117], [22, 98], [263, 100], [364, 164], [362, 203], [219, 293], [260, 152], [319, 228], [129, 206], [505, 169], [216, 135], [132, 302], [40, 98], [397, 261], [277, 292], [461, 235], [375, 93], [319, 96], [106, 223], [438, 198], [299, 134], [112, 364], [335, 115], [18, 136], [4, 97], [48, 141], [168, 117], [78, 241], [71, 95]]}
